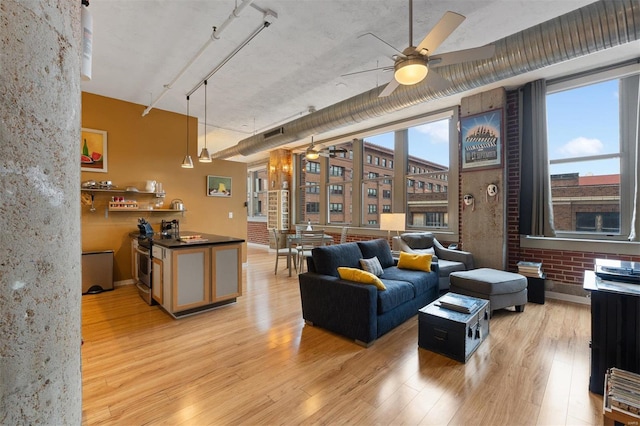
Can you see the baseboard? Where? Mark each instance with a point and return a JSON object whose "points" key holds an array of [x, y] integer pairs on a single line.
{"points": [[567, 297], [122, 283]]}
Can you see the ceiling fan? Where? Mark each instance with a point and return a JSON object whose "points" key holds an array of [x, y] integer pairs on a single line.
{"points": [[313, 153], [413, 64]]}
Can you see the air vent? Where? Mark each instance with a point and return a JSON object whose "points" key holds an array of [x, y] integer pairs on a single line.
{"points": [[276, 132]]}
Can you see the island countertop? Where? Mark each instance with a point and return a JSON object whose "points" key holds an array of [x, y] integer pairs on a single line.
{"points": [[184, 241]]}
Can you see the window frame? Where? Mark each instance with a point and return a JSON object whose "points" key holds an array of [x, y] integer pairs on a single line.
{"points": [[626, 152]]}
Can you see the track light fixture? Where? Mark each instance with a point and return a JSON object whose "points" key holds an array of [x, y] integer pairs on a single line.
{"points": [[205, 157], [187, 163]]}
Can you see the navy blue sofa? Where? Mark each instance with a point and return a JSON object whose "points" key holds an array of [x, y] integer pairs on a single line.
{"points": [[357, 311]]}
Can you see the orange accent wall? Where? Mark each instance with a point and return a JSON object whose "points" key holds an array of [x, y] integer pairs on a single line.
{"points": [[152, 148]]}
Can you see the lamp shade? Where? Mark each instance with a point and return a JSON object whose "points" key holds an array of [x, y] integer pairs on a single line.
{"points": [[410, 71], [392, 221], [187, 163], [204, 157]]}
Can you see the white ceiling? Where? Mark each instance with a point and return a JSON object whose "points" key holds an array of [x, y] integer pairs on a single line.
{"points": [[139, 46]]}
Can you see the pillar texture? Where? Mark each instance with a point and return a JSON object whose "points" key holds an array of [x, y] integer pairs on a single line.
{"points": [[40, 249]]}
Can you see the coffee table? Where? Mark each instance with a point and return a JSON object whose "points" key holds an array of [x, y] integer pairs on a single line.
{"points": [[454, 334]]}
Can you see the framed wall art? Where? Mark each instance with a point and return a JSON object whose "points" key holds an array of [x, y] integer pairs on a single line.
{"points": [[93, 150], [218, 186], [482, 140]]}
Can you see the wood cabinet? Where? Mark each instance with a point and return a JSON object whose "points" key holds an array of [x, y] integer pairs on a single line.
{"points": [[200, 277], [156, 286], [278, 210]]}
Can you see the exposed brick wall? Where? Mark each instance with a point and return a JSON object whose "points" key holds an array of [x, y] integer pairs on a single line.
{"points": [[562, 266], [512, 129], [257, 233]]}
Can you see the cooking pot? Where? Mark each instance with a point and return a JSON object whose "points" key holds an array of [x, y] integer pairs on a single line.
{"points": [[177, 204]]}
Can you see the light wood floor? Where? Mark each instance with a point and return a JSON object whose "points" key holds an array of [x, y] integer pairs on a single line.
{"points": [[255, 362]]}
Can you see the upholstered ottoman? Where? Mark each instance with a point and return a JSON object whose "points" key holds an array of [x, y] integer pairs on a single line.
{"points": [[501, 288]]}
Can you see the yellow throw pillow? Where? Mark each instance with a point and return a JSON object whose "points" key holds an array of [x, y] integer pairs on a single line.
{"points": [[360, 276], [415, 261]]}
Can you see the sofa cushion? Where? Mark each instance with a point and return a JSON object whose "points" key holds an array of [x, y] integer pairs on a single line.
{"points": [[397, 293], [415, 261], [360, 276], [421, 281], [378, 248], [327, 259], [418, 240], [372, 265]]}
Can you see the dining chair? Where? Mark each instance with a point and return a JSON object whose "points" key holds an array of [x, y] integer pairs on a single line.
{"points": [[307, 241], [283, 251]]}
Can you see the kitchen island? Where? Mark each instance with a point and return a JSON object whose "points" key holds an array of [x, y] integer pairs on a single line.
{"points": [[196, 272]]}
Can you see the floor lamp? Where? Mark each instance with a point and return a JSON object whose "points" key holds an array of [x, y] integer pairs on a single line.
{"points": [[392, 222]]}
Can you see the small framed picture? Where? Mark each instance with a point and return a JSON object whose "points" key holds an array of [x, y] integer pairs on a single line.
{"points": [[482, 140], [93, 150], [218, 186]]}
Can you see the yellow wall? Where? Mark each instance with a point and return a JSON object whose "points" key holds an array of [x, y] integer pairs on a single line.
{"points": [[152, 148]]}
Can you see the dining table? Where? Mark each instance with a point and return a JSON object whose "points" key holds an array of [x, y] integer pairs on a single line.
{"points": [[296, 239]]}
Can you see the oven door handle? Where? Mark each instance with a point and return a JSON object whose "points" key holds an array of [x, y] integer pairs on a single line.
{"points": [[143, 252]]}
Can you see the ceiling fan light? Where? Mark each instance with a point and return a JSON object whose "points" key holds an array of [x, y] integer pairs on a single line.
{"points": [[204, 157], [187, 163], [312, 154], [411, 71]]}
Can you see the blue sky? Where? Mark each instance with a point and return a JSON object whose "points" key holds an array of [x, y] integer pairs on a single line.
{"points": [[581, 122]]}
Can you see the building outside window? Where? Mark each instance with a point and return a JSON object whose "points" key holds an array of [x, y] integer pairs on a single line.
{"points": [[588, 134], [257, 192]]}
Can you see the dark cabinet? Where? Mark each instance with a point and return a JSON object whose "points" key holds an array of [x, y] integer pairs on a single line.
{"points": [[615, 332]]}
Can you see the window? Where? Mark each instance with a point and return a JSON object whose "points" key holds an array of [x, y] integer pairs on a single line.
{"points": [[313, 207], [427, 148], [257, 192], [336, 171], [313, 167], [339, 187], [588, 128], [335, 207], [336, 189], [428, 163], [313, 188]]}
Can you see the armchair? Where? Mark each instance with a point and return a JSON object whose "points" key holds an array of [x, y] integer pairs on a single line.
{"points": [[448, 260]]}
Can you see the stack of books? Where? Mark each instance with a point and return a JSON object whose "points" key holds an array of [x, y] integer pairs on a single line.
{"points": [[459, 303], [530, 269], [622, 391]]}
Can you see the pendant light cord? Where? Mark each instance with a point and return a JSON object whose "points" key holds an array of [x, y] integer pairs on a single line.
{"points": [[205, 114], [187, 124]]}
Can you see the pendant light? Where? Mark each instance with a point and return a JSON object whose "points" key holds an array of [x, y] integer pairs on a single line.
{"points": [[204, 154], [187, 163]]}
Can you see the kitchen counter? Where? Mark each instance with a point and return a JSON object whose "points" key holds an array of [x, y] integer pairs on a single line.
{"points": [[205, 239]]}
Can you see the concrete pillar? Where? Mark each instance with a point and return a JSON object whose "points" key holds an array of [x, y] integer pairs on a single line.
{"points": [[40, 249]]}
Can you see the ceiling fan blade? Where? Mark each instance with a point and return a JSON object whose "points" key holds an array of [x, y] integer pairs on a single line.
{"points": [[369, 70], [443, 29], [436, 82], [391, 86], [466, 55]]}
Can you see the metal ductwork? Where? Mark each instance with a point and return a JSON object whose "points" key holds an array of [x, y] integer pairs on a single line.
{"points": [[590, 29]]}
